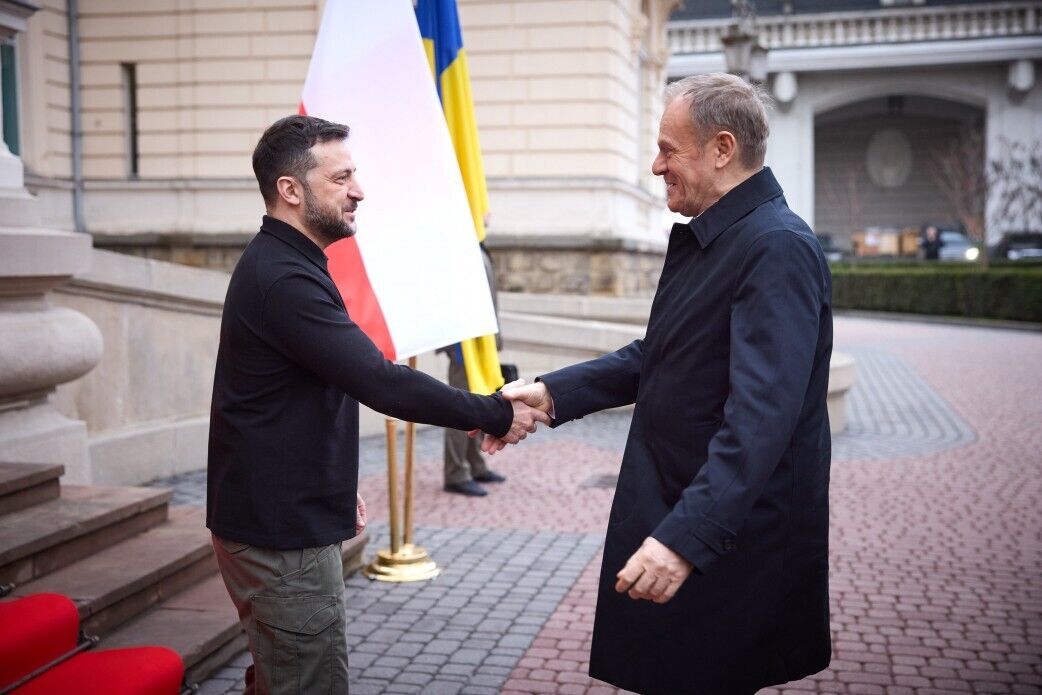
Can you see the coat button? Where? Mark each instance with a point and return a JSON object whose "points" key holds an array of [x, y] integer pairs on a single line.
{"points": [[729, 545]]}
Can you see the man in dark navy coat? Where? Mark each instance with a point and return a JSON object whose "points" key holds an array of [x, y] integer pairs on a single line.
{"points": [[715, 571]]}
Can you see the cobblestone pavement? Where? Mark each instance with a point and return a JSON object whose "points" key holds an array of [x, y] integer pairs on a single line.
{"points": [[894, 413], [936, 538]]}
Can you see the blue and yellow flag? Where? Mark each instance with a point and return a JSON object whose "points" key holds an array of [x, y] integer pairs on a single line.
{"points": [[443, 40]]}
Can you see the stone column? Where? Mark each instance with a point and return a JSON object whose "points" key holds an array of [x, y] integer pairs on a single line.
{"points": [[790, 150], [41, 345]]}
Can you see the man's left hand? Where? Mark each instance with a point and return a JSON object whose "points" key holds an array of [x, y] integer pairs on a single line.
{"points": [[654, 573], [361, 518]]}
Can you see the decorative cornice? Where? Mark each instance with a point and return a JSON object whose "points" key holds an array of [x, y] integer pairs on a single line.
{"points": [[570, 242], [884, 26], [13, 16], [573, 183], [874, 56], [35, 181], [129, 279]]}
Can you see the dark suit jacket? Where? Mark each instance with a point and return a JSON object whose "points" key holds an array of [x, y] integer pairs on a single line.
{"points": [[727, 461]]}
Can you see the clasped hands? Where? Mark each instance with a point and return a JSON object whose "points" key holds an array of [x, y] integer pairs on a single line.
{"points": [[531, 404]]}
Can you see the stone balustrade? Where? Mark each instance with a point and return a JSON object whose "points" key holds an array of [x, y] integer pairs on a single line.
{"points": [[546, 332], [902, 25]]}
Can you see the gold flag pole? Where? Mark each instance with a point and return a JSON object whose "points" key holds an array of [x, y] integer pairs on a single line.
{"points": [[403, 561], [410, 456], [392, 480]]}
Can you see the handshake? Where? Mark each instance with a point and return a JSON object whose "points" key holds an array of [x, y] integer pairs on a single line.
{"points": [[531, 403]]}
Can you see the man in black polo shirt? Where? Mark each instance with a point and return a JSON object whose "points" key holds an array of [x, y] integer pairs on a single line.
{"points": [[291, 370]]}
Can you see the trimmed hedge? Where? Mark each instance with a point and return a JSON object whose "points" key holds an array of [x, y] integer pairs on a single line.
{"points": [[1001, 292]]}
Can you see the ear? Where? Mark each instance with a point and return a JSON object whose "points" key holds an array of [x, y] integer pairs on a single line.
{"points": [[725, 148], [290, 190]]}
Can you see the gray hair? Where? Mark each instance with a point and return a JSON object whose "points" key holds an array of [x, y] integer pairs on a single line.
{"points": [[719, 101]]}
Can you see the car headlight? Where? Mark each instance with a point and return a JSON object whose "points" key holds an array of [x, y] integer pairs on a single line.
{"points": [[972, 253]]}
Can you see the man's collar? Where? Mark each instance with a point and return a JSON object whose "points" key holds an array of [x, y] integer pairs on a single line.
{"points": [[289, 234], [734, 205]]}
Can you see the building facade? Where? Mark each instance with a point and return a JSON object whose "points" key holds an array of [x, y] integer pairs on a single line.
{"points": [[129, 126], [135, 121], [874, 97], [153, 154]]}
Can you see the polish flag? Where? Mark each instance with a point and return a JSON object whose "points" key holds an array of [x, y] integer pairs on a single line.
{"points": [[412, 277]]}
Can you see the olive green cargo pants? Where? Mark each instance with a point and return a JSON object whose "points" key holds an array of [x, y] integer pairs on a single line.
{"points": [[291, 604]]}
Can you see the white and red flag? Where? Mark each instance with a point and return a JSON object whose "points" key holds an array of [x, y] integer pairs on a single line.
{"points": [[412, 278]]}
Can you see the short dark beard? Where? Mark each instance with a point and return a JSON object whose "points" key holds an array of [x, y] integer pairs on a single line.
{"points": [[325, 223]]}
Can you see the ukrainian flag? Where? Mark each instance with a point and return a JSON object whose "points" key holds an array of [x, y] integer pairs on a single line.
{"points": [[443, 40]]}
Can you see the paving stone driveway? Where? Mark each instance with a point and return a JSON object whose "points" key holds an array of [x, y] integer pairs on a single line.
{"points": [[936, 538]]}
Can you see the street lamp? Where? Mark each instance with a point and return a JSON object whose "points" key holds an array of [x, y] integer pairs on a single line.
{"points": [[743, 53]]}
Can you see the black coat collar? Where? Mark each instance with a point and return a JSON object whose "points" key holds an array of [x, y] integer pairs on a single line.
{"points": [[734, 205]]}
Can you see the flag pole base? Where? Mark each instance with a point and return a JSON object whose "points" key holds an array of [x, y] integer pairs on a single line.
{"points": [[410, 564]]}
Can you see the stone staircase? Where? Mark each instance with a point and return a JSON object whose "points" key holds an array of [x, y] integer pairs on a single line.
{"points": [[140, 571]]}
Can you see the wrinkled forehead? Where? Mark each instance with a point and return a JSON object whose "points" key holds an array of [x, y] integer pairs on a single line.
{"points": [[676, 120]]}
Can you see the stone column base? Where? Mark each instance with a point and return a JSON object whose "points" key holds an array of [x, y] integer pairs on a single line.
{"points": [[41, 346], [38, 433]]}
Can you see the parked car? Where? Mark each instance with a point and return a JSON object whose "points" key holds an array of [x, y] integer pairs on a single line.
{"points": [[833, 253], [956, 246], [1020, 246]]}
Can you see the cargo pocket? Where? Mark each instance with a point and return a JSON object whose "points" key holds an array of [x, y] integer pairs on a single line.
{"points": [[295, 643]]}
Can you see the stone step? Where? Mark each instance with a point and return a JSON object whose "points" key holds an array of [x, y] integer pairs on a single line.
{"points": [[124, 580], [201, 624], [24, 484], [82, 521]]}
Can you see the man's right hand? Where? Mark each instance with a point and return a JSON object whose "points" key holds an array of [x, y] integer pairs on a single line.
{"points": [[534, 397]]}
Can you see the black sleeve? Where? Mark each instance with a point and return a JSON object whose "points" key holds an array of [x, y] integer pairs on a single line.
{"points": [[310, 327]]}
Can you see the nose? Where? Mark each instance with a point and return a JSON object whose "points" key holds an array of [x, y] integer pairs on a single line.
{"points": [[355, 192], [658, 166]]}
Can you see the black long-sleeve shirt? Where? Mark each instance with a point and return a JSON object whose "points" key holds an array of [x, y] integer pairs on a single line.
{"points": [[291, 370]]}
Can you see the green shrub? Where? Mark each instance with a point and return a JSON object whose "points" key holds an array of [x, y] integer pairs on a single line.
{"points": [[1003, 291]]}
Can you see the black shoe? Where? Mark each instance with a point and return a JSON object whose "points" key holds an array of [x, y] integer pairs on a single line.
{"points": [[490, 477], [469, 488]]}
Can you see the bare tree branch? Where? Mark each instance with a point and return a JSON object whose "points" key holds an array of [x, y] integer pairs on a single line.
{"points": [[958, 171], [1016, 180]]}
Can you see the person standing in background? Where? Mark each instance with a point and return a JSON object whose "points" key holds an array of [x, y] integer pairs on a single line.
{"points": [[465, 467], [931, 243]]}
